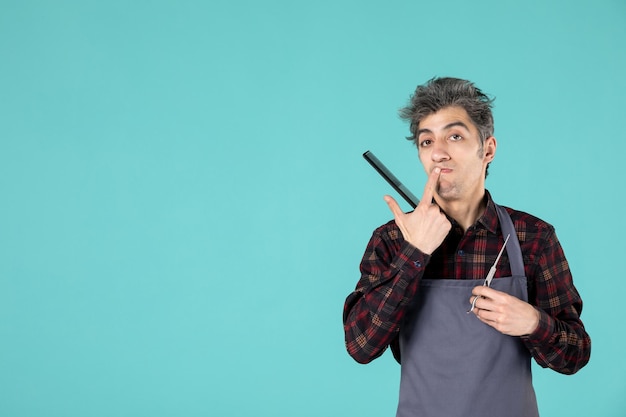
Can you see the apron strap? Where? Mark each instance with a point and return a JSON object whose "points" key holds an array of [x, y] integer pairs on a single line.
{"points": [[513, 248]]}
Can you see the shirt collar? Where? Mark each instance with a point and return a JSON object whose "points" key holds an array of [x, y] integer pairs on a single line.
{"points": [[489, 219]]}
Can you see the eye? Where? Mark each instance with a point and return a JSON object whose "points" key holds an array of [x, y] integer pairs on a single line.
{"points": [[456, 138], [425, 142]]}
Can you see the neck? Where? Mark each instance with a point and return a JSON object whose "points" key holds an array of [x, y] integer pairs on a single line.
{"points": [[464, 212]]}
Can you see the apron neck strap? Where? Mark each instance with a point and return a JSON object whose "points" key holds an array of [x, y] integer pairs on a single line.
{"points": [[513, 248]]}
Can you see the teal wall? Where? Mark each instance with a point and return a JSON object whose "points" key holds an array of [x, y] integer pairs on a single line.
{"points": [[183, 202]]}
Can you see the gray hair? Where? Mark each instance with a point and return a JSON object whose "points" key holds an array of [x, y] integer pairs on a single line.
{"points": [[439, 93]]}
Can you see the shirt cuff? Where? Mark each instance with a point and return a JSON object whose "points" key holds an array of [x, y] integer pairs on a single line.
{"points": [[410, 259], [544, 331]]}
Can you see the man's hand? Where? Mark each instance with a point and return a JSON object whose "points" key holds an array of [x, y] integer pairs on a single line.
{"points": [[426, 227], [504, 312]]}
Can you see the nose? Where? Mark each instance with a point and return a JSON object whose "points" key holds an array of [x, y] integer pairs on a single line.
{"points": [[440, 151]]}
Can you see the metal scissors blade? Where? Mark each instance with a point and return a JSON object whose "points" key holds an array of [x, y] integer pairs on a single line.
{"points": [[492, 271], [490, 274]]}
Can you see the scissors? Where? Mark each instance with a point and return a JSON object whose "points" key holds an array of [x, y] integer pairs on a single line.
{"points": [[491, 273]]}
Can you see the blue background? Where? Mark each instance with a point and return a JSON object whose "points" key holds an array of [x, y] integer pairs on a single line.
{"points": [[184, 204]]}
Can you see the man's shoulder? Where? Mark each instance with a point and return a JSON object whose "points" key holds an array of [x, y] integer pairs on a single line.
{"points": [[524, 221]]}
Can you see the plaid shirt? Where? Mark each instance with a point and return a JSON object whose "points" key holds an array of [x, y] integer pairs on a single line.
{"points": [[391, 270]]}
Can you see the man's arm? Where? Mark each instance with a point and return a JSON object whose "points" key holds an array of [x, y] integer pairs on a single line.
{"points": [[390, 273], [551, 327], [560, 341], [392, 265]]}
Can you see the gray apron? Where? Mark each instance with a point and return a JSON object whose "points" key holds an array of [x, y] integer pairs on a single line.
{"points": [[455, 365]]}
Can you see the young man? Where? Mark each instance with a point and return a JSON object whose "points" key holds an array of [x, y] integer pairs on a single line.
{"points": [[423, 272]]}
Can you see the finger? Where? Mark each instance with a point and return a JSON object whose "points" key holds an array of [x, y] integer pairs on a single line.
{"points": [[394, 207], [479, 291], [486, 292], [431, 186], [485, 316]]}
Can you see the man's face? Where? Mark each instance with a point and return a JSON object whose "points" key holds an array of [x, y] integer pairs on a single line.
{"points": [[448, 139]]}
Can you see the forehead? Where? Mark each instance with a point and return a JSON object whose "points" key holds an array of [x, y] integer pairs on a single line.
{"points": [[445, 118]]}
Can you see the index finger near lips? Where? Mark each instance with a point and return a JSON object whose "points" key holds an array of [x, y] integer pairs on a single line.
{"points": [[431, 185]]}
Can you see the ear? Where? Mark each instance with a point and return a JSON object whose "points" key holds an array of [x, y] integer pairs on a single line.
{"points": [[489, 148]]}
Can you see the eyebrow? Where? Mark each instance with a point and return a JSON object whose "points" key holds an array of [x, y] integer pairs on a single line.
{"points": [[446, 127]]}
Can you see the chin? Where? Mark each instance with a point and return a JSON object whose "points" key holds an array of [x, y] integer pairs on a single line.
{"points": [[448, 194]]}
